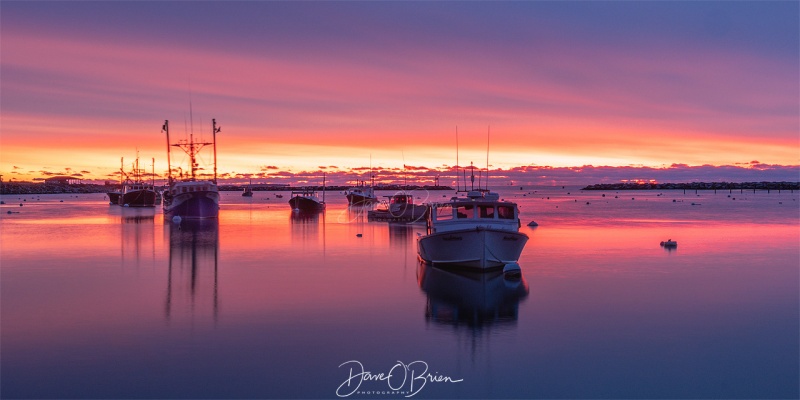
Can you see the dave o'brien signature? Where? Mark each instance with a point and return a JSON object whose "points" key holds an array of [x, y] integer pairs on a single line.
{"points": [[415, 374]]}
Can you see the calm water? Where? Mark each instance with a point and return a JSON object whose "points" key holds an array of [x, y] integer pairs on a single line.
{"points": [[104, 302]]}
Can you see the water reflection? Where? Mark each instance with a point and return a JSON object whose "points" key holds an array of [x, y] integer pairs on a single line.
{"points": [[400, 234], [306, 224], [472, 299], [192, 272], [138, 236]]}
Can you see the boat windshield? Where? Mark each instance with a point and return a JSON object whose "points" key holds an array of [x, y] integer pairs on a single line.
{"points": [[465, 211], [401, 199], [446, 212], [505, 212]]}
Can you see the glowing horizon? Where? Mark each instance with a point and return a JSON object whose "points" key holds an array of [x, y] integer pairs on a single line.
{"points": [[299, 86]]}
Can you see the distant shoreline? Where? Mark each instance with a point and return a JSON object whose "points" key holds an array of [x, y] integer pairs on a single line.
{"points": [[696, 186], [26, 188]]}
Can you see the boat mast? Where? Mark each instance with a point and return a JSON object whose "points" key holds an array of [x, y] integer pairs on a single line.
{"points": [[471, 178], [488, 132], [136, 173], [165, 128], [458, 185], [214, 129]]}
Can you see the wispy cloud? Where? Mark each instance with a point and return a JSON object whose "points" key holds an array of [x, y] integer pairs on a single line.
{"points": [[304, 87]]}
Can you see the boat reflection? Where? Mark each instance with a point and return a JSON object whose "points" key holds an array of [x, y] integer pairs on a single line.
{"points": [[192, 273], [306, 224], [468, 298], [138, 234], [400, 234]]}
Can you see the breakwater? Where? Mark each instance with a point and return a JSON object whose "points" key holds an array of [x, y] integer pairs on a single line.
{"points": [[697, 186]]}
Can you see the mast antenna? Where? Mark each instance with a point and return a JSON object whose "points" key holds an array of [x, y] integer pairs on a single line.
{"points": [[165, 128]]}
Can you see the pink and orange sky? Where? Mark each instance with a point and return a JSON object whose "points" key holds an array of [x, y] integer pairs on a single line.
{"points": [[301, 85]]}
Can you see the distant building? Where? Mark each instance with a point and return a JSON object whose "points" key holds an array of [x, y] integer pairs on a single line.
{"points": [[63, 180]]}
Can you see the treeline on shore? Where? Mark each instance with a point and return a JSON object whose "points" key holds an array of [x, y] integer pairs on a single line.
{"points": [[696, 186], [55, 188]]}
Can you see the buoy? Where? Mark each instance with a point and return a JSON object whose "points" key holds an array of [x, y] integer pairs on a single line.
{"points": [[359, 235], [512, 271], [176, 219], [533, 223]]}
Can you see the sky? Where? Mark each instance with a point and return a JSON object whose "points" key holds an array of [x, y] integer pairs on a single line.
{"points": [[304, 87]]}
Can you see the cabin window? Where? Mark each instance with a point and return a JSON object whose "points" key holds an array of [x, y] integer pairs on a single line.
{"points": [[444, 212], [486, 211], [465, 211], [505, 212]]}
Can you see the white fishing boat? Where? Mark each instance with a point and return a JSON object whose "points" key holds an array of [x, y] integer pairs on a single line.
{"points": [[361, 194], [477, 231], [187, 195]]}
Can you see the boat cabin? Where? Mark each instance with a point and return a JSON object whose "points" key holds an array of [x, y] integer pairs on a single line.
{"points": [[401, 199], [473, 212], [189, 187]]}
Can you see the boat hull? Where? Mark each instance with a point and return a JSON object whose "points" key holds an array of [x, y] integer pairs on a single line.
{"points": [[113, 197], [403, 213], [138, 198], [358, 199], [479, 248], [193, 205], [305, 204]]}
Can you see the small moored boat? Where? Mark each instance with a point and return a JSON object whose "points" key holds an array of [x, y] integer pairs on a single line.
{"points": [[248, 190], [399, 207], [307, 199], [669, 243]]}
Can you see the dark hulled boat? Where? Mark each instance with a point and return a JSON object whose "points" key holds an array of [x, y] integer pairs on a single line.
{"points": [[190, 197], [135, 191], [306, 200]]}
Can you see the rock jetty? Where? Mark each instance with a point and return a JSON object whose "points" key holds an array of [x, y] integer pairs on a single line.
{"points": [[697, 186]]}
